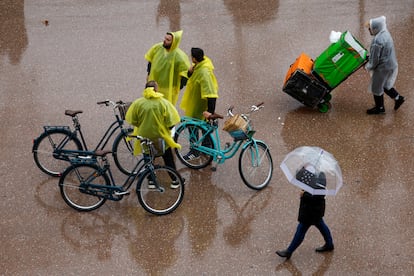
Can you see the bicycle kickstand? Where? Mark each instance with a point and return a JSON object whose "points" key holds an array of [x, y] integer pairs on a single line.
{"points": [[216, 163]]}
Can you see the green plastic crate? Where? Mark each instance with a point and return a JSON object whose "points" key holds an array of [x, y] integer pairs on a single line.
{"points": [[340, 60]]}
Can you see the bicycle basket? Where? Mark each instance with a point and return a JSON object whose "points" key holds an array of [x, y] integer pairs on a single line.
{"points": [[236, 122], [237, 127], [123, 108]]}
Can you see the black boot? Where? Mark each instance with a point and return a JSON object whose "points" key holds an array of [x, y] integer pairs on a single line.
{"points": [[325, 248], [393, 93], [399, 102], [284, 254], [379, 106]]}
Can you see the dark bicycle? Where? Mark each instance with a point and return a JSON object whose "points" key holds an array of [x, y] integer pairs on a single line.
{"points": [[47, 148], [88, 182]]}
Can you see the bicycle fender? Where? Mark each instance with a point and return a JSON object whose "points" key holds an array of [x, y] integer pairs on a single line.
{"points": [[52, 129]]}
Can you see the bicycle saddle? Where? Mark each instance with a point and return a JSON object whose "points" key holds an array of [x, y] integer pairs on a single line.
{"points": [[72, 113]]}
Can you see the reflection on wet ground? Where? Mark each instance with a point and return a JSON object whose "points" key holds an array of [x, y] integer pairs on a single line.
{"points": [[93, 51]]}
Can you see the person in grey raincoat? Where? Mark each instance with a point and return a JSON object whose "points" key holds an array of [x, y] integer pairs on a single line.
{"points": [[382, 65]]}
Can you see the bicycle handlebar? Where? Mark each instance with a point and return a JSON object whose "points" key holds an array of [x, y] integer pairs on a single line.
{"points": [[109, 102], [141, 138], [259, 105], [252, 108]]}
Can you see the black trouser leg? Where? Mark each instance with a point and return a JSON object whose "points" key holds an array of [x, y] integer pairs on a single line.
{"points": [[169, 161], [169, 158]]}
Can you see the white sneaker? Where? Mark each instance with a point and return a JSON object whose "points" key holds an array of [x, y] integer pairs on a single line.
{"points": [[151, 184], [175, 184], [191, 155]]}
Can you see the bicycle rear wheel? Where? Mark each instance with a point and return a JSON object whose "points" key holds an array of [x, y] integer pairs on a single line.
{"points": [[123, 152], [44, 146], [186, 136], [256, 165], [156, 193], [74, 188]]}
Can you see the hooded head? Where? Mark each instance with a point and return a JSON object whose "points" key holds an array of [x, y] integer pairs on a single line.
{"points": [[151, 89], [198, 54], [377, 24], [176, 39]]}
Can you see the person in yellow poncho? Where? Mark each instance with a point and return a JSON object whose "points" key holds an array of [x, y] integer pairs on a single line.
{"points": [[202, 90], [153, 117], [168, 66]]}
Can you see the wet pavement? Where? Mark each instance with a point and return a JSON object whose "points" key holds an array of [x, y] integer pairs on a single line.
{"points": [[94, 50]]}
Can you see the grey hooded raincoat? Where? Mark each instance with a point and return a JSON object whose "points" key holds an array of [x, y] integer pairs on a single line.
{"points": [[382, 59]]}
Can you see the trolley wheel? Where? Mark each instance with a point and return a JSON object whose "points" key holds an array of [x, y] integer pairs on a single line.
{"points": [[327, 97], [324, 107]]}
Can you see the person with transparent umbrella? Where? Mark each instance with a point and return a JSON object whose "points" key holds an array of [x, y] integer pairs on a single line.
{"points": [[311, 212], [318, 174]]}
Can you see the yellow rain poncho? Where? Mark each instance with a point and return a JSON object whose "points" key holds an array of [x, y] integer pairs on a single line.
{"points": [[168, 67], [201, 85], [153, 116]]}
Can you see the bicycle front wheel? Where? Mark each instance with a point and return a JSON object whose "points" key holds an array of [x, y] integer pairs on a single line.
{"points": [[75, 189], [46, 143], [123, 153], [161, 190], [256, 165], [186, 136]]}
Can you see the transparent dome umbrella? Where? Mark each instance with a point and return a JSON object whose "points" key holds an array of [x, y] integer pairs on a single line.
{"points": [[313, 169]]}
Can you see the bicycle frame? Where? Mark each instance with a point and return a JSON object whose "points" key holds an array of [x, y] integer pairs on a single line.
{"points": [[211, 129], [58, 152], [112, 192]]}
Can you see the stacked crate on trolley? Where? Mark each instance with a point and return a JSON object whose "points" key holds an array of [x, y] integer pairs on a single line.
{"points": [[311, 81]]}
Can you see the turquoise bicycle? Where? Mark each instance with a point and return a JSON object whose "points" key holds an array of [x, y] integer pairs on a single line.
{"points": [[200, 145]]}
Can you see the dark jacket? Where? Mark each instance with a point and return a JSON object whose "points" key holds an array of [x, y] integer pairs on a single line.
{"points": [[311, 209]]}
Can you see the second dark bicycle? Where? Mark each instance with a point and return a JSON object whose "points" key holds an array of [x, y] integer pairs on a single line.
{"points": [[47, 148]]}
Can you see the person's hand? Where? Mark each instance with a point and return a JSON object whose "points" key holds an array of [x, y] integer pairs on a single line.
{"points": [[207, 114], [191, 69]]}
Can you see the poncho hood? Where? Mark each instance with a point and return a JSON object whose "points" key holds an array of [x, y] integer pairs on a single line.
{"points": [[176, 39], [378, 24], [149, 93], [207, 63]]}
